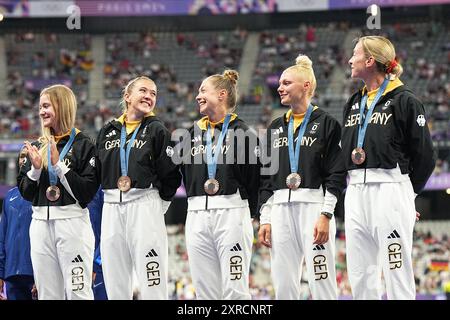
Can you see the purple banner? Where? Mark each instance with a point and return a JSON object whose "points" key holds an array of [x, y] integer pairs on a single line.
{"points": [[347, 4], [214, 7], [104, 8], [134, 7], [438, 182], [173, 7], [39, 84], [14, 8], [272, 80], [10, 147]]}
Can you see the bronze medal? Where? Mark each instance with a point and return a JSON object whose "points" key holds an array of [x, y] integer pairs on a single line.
{"points": [[211, 186], [358, 156], [293, 181], [52, 193], [124, 183]]}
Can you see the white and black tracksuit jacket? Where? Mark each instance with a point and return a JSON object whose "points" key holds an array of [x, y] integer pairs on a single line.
{"points": [[397, 134], [321, 166], [150, 162], [80, 182], [242, 175]]}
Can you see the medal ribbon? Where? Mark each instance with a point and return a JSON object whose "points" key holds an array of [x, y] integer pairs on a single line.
{"points": [[53, 178], [125, 156], [295, 156], [362, 129], [212, 161]]}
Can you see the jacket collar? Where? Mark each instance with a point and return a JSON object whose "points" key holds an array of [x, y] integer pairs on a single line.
{"points": [[203, 122], [317, 112], [150, 117]]}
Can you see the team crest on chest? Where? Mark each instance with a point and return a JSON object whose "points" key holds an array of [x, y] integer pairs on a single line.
{"points": [[314, 128], [169, 151]]}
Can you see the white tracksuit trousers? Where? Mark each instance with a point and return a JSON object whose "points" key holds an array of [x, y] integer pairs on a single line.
{"points": [[62, 254], [379, 223], [292, 241], [219, 245], [134, 236]]}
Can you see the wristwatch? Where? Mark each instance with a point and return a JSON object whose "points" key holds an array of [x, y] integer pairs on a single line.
{"points": [[327, 214]]}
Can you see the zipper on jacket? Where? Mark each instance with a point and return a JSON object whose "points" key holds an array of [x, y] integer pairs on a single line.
{"points": [[365, 169], [289, 199], [206, 203], [48, 212], [120, 195]]}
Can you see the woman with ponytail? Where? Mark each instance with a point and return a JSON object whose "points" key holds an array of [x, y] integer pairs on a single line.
{"points": [[297, 203], [59, 178], [389, 157], [221, 175]]}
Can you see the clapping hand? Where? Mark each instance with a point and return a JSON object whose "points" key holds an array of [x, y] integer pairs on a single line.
{"points": [[34, 155]]}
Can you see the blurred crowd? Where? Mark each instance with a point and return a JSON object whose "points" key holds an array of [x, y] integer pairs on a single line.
{"points": [[423, 50], [431, 256]]}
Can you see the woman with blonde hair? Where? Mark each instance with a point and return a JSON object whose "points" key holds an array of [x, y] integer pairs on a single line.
{"points": [[221, 176], [139, 179], [297, 203], [59, 178], [389, 157]]}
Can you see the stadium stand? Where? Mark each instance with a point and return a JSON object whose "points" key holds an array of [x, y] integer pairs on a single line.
{"points": [[178, 60]]}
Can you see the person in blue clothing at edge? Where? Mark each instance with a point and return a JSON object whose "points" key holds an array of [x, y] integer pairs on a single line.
{"points": [[95, 212], [16, 271]]}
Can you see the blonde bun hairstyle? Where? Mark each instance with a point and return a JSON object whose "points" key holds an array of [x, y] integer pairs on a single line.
{"points": [[227, 81], [303, 68], [231, 75], [303, 61]]}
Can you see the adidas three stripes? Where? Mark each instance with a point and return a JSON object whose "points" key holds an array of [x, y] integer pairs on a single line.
{"points": [[219, 245], [62, 251], [292, 242], [379, 223], [134, 237]]}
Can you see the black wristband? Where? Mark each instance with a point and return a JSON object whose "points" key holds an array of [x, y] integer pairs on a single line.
{"points": [[327, 214]]}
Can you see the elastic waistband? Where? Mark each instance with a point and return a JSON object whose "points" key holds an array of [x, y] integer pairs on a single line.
{"points": [[216, 202], [299, 195], [113, 195], [58, 212], [376, 175]]}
